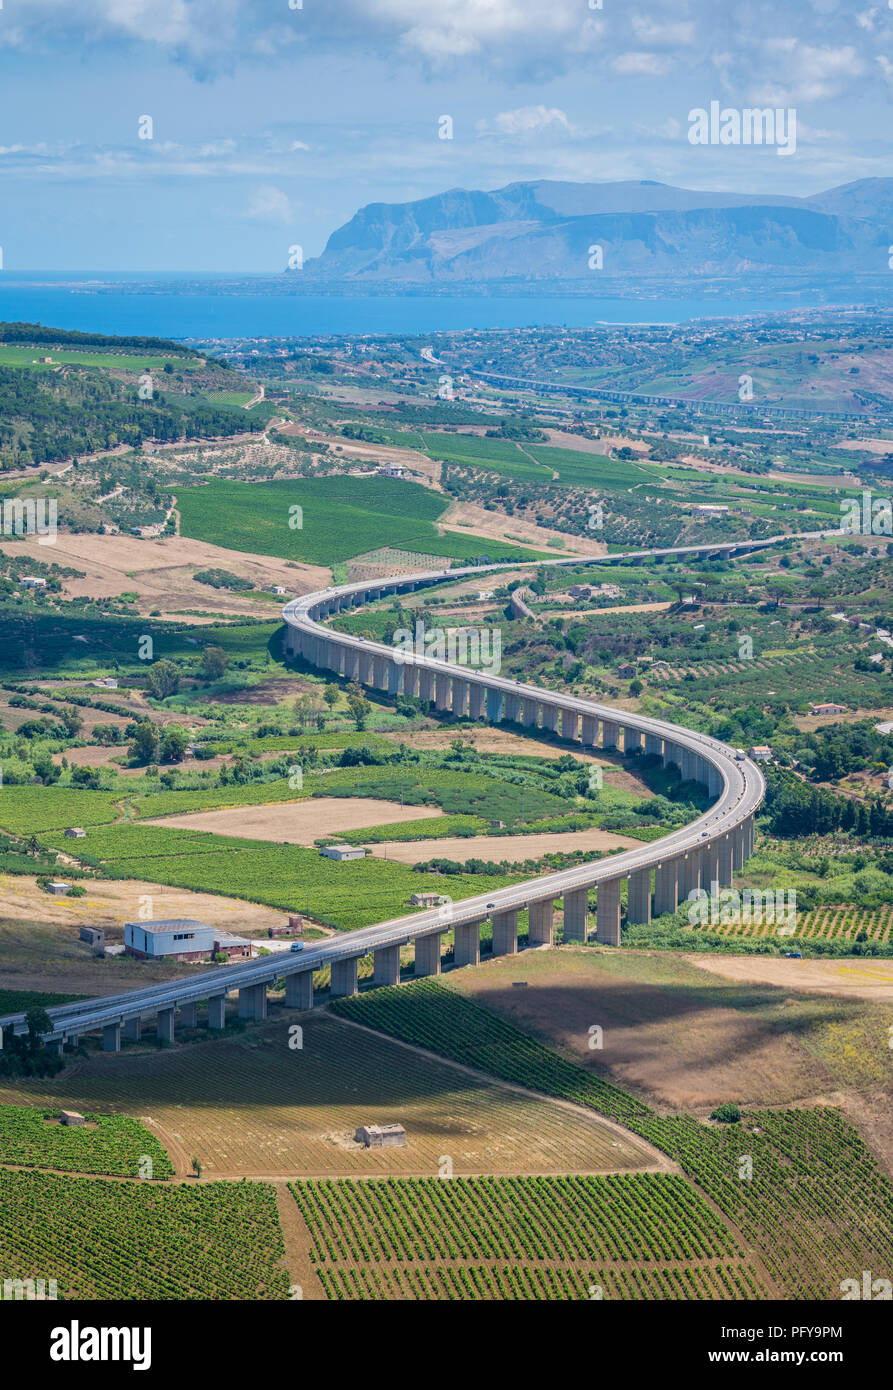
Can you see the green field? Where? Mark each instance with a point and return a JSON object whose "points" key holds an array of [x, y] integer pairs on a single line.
{"points": [[16, 356], [115, 1145], [575, 1237], [99, 1240], [342, 517]]}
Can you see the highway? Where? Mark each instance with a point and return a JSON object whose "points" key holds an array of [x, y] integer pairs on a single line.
{"points": [[741, 792]]}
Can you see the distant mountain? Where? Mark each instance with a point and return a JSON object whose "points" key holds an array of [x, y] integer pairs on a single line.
{"points": [[543, 231]]}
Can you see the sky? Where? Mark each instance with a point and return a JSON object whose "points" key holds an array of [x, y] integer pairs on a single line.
{"points": [[273, 121]]}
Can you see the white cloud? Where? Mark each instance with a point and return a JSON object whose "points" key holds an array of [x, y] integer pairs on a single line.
{"points": [[269, 204], [527, 120], [680, 33], [641, 64]]}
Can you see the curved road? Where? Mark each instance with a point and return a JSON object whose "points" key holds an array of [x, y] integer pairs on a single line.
{"points": [[708, 850]]}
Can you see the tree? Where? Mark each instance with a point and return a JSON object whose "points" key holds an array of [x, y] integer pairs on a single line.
{"points": [[39, 1022], [162, 678], [214, 663], [360, 708], [46, 769], [144, 748], [173, 744], [330, 695]]}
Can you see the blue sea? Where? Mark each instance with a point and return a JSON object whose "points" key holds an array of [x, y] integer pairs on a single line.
{"points": [[208, 306]]}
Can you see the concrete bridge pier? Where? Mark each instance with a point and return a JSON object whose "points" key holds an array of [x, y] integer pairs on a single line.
{"points": [[529, 713], [380, 677], [477, 701], [217, 1012], [188, 1015], [164, 1025], [632, 739], [494, 706], [505, 933], [570, 721], [709, 865], [739, 837], [512, 709], [426, 683], [589, 735], [550, 717], [576, 914], [344, 977], [638, 899], [607, 912], [410, 680], [253, 1002], [133, 1029], [725, 861], [666, 888], [427, 954], [111, 1037], [610, 734], [460, 695], [689, 874], [654, 744], [367, 669], [395, 677], [467, 943], [672, 754], [541, 917], [386, 965], [299, 990], [443, 694]]}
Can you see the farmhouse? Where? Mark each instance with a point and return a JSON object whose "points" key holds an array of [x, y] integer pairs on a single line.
{"points": [[761, 753], [181, 938], [829, 708], [75, 832], [381, 1136], [428, 899], [341, 852], [58, 888], [391, 470], [94, 936], [30, 581], [628, 669]]}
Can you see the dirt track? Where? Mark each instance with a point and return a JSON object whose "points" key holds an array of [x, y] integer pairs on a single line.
{"points": [[498, 847]]}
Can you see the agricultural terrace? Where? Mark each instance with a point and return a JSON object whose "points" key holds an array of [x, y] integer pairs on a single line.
{"points": [[543, 1238], [815, 1205], [145, 1243]]}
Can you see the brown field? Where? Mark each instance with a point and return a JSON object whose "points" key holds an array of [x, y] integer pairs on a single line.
{"points": [[249, 1105], [810, 722], [469, 519], [498, 847], [300, 822], [871, 980], [675, 1042], [161, 571]]}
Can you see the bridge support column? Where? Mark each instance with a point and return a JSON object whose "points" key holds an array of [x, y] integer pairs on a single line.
{"points": [[714, 780], [386, 965], [164, 1025], [540, 922], [610, 733], [530, 713], [426, 683], [505, 933], [395, 677], [632, 739], [55, 1047], [589, 735], [725, 861], [689, 766], [410, 680], [512, 709], [739, 836], [460, 696], [576, 914], [494, 706], [689, 874], [607, 912], [380, 673], [299, 990], [253, 1002], [477, 700], [344, 977], [550, 715], [672, 754], [666, 887], [467, 947], [427, 954], [367, 669], [350, 665], [751, 835], [217, 1012], [709, 865], [133, 1029], [111, 1037], [188, 1015], [443, 695], [654, 744], [570, 720], [638, 899]]}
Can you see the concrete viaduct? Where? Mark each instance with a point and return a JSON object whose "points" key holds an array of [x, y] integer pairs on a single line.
{"points": [[659, 875]]}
